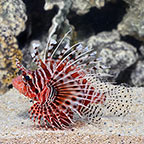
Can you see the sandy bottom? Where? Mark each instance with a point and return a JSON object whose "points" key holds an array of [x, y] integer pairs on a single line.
{"points": [[16, 127]]}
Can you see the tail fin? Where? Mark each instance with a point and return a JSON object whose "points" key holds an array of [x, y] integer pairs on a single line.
{"points": [[117, 101]]}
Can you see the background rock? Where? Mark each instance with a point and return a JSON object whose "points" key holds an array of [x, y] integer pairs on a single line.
{"points": [[113, 28], [137, 76], [133, 21], [13, 15], [12, 22], [117, 55]]}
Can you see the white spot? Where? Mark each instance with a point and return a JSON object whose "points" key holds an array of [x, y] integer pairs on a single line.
{"points": [[58, 52], [52, 41], [35, 43], [50, 47], [67, 46], [86, 48], [79, 47], [99, 59], [33, 54], [93, 54]]}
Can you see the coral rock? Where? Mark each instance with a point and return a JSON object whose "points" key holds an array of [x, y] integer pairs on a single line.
{"points": [[8, 53], [137, 76], [132, 23], [115, 54], [13, 14], [12, 22]]}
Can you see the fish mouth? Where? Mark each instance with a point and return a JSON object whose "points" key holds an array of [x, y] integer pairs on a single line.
{"points": [[18, 83]]}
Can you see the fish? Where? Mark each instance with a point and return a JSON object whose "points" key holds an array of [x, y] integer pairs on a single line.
{"points": [[61, 87]]}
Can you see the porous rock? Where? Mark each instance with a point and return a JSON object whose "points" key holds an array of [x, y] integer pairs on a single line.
{"points": [[79, 6], [59, 20], [8, 53], [13, 14], [133, 21], [12, 22], [116, 55], [137, 76]]}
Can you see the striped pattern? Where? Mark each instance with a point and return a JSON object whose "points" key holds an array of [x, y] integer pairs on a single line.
{"points": [[66, 86], [59, 86], [62, 87]]}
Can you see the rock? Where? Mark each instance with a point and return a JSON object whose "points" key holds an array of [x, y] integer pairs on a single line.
{"points": [[59, 21], [12, 22], [8, 53], [83, 6], [80, 6], [103, 38], [133, 21], [141, 49], [116, 55], [13, 14], [137, 76]]}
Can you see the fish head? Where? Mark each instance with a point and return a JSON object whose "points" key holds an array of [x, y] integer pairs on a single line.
{"points": [[23, 83]]}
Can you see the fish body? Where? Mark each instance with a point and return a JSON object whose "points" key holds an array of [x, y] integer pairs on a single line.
{"points": [[60, 86]]}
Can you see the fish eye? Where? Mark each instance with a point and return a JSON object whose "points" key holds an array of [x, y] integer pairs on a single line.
{"points": [[26, 78]]}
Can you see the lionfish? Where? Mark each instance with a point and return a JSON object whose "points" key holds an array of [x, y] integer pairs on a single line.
{"points": [[66, 86]]}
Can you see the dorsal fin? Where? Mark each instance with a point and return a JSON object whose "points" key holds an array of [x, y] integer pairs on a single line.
{"points": [[20, 66], [35, 53], [60, 43]]}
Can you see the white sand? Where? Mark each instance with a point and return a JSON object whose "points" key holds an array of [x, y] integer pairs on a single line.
{"points": [[16, 127]]}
